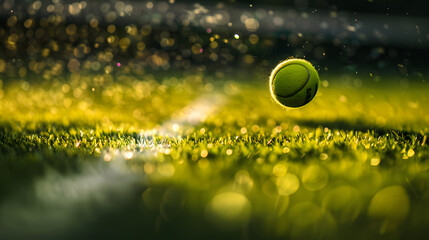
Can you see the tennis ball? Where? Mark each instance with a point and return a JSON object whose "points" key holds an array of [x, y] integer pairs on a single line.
{"points": [[294, 83]]}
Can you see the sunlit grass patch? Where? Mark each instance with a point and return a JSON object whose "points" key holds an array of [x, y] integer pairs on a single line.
{"points": [[220, 156]]}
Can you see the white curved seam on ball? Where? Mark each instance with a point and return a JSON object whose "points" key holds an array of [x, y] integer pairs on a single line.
{"points": [[306, 81]]}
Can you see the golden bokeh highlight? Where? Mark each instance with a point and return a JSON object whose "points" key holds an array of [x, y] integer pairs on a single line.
{"points": [[228, 210], [390, 207]]}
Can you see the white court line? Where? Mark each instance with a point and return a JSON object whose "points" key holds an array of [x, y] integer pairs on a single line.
{"points": [[57, 204]]}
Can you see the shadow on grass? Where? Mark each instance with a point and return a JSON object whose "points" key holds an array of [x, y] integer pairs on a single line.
{"points": [[360, 126]]}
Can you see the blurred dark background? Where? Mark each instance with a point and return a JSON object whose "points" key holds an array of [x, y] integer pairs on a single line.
{"points": [[365, 39], [399, 7]]}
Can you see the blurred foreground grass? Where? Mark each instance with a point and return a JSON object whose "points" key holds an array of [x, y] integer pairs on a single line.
{"points": [[189, 157]]}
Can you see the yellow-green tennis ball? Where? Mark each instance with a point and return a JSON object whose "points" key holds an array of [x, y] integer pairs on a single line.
{"points": [[294, 82]]}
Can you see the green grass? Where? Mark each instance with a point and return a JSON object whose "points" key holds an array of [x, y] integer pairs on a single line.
{"points": [[194, 158]]}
